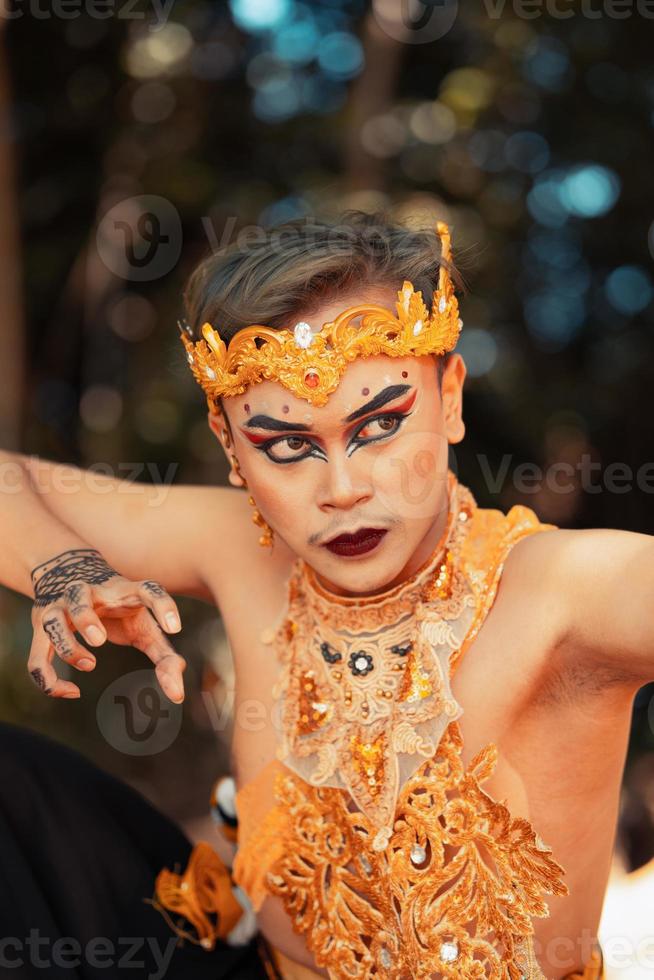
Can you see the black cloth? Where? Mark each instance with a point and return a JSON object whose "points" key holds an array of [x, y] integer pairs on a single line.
{"points": [[79, 851]]}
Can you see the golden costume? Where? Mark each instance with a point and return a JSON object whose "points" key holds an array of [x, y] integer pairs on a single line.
{"points": [[387, 854]]}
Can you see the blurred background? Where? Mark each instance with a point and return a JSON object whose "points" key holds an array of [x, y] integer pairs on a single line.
{"points": [[530, 129]]}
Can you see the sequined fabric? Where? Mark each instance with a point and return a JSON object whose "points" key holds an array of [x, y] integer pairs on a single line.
{"points": [[430, 877], [364, 685], [281, 967]]}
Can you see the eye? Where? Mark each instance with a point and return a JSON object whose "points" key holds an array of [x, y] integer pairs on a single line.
{"points": [[380, 426], [291, 443], [288, 449]]}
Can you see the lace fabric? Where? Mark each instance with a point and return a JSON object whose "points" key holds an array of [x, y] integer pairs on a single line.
{"points": [[364, 683], [429, 876]]}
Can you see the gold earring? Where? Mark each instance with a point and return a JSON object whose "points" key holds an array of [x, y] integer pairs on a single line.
{"points": [[267, 538]]}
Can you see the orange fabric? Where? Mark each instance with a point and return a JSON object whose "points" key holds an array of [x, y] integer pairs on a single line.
{"points": [[291, 970], [260, 831], [202, 894], [310, 836]]}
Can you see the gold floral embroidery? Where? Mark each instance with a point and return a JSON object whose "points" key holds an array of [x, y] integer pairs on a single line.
{"points": [[450, 887], [451, 895]]}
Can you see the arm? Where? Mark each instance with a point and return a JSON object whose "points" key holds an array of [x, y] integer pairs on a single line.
{"points": [[30, 534], [606, 578], [74, 587], [141, 529], [601, 584]]}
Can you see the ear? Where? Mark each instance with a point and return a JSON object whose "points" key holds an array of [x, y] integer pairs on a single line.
{"points": [[452, 397], [218, 425]]}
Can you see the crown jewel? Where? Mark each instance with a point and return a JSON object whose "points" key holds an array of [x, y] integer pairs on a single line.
{"points": [[311, 363]]}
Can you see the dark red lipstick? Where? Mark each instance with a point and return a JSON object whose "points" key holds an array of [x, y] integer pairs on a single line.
{"points": [[358, 543]]}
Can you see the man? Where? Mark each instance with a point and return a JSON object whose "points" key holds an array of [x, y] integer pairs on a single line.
{"points": [[349, 475]]}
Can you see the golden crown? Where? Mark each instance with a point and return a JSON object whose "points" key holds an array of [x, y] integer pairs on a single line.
{"points": [[310, 364]]}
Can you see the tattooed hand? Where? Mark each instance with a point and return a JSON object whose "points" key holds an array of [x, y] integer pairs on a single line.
{"points": [[78, 592]]}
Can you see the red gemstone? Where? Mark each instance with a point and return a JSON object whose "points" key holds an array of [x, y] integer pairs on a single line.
{"points": [[311, 379]]}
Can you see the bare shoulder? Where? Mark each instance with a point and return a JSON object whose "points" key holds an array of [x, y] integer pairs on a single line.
{"points": [[571, 562], [531, 599], [591, 588]]}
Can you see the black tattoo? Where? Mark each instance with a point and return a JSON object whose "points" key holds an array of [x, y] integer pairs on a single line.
{"points": [[73, 596], [54, 629], [154, 588], [51, 577], [39, 680]]}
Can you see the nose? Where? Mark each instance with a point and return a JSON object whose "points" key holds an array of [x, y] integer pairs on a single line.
{"points": [[345, 484]]}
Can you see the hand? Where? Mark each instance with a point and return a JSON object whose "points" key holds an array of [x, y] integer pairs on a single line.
{"points": [[78, 591]]}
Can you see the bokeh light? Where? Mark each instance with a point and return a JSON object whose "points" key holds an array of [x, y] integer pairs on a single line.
{"points": [[160, 52], [585, 191], [101, 407], [340, 55], [547, 63], [590, 190], [260, 15], [629, 289], [478, 349]]}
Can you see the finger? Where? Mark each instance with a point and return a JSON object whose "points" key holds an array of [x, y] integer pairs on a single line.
{"points": [[169, 665], [78, 602], [161, 604], [39, 665], [62, 638]]}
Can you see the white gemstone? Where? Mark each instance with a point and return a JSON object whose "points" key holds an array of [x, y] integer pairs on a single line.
{"points": [[320, 707], [418, 854], [385, 958], [189, 357], [442, 304], [210, 373], [463, 516], [361, 663], [449, 952], [417, 327], [303, 334], [380, 841]]}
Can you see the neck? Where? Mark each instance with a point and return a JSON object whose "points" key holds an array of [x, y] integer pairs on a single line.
{"points": [[422, 554]]}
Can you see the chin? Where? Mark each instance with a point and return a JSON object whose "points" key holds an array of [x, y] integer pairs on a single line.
{"points": [[366, 573]]}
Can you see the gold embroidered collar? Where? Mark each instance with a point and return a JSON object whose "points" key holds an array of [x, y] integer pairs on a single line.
{"points": [[363, 691]]}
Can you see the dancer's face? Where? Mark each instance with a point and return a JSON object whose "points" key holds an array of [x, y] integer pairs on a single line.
{"points": [[375, 456]]}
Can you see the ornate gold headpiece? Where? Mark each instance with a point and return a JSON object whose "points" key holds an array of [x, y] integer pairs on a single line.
{"points": [[310, 364]]}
